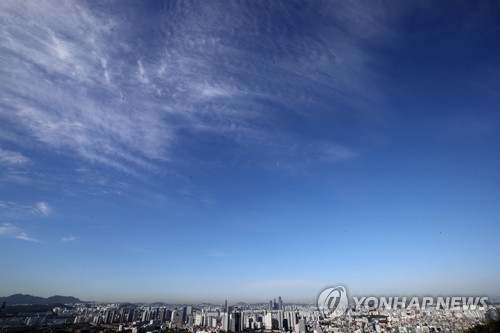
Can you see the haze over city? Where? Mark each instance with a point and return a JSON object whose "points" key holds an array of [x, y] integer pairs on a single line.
{"points": [[197, 151]]}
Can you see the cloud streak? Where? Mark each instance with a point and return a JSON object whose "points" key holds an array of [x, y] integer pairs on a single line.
{"points": [[90, 90], [43, 208], [10, 230], [12, 158], [14, 210], [58, 89], [7, 228], [24, 236]]}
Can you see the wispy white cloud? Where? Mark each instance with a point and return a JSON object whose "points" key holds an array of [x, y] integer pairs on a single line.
{"points": [[7, 228], [78, 82], [143, 77], [211, 91], [58, 90], [15, 210], [43, 208], [67, 239], [24, 236], [104, 64], [11, 230], [332, 152], [8, 157], [15, 177]]}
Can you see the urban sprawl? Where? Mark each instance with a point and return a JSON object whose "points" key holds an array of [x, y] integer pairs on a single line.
{"points": [[274, 316]]}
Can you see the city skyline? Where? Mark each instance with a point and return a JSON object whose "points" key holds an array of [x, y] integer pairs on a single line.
{"points": [[201, 151], [297, 319]]}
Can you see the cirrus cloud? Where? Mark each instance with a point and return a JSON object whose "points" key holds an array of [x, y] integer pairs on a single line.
{"points": [[43, 208], [10, 158], [78, 82], [13, 231], [67, 239]]}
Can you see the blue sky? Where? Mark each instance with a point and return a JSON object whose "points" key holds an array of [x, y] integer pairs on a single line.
{"points": [[211, 150]]}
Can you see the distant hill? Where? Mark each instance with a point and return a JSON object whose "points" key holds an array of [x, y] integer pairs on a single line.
{"points": [[127, 305], [158, 304], [28, 299]]}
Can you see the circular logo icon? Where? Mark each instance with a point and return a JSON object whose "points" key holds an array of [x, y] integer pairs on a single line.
{"points": [[333, 301]]}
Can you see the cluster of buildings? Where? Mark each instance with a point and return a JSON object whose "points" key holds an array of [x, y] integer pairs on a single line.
{"points": [[433, 319], [274, 316]]}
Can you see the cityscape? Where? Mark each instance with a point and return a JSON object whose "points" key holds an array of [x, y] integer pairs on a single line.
{"points": [[275, 316]]}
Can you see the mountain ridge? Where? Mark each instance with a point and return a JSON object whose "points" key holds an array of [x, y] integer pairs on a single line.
{"points": [[30, 299]]}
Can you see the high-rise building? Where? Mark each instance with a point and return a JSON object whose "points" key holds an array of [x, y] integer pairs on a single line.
{"points": [[280, 319], [176, 317], [168, 314], [145, 316], [235, 322], [292, 319], [225, 322], [184, 314], [162, 315], [198, 319], [268, 321], [129, 316]]}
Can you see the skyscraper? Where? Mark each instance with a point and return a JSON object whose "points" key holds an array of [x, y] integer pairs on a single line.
{"points": [[268, 321], [235, 322], [280, 319], [176, 317], [184, 314], [225, 322]]}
